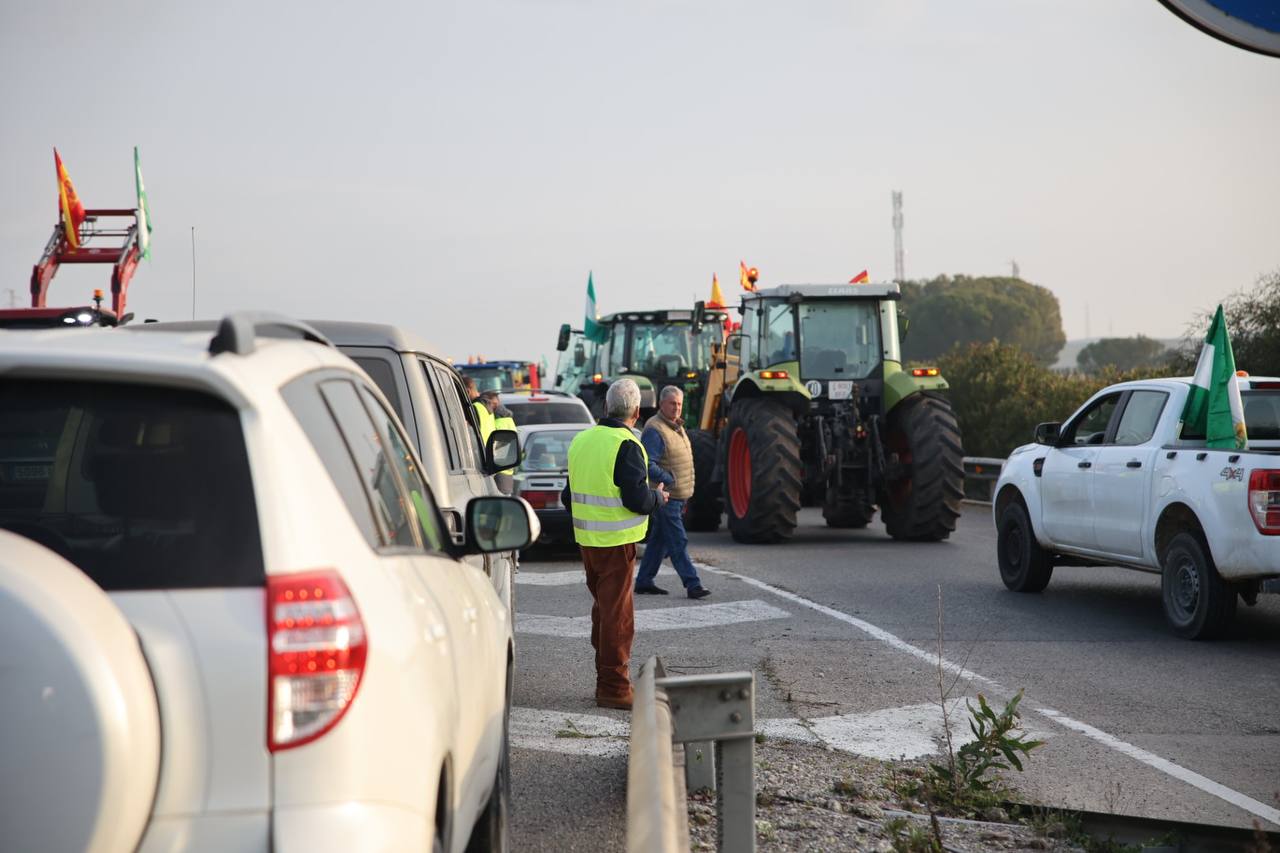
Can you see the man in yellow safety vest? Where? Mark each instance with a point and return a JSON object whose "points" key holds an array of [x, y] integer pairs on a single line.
{"points": [[609, 497]]}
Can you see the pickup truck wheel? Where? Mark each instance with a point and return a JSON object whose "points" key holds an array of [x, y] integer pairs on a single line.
{"points": [[1198, 604], [1024, 565]]}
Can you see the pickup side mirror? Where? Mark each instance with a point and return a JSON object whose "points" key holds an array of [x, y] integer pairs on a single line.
{"points": [[501, 451], [562, 343], [499, 524], [699, 315], [1048, 432]]}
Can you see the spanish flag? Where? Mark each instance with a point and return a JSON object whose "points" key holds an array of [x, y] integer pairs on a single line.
{"points": [[717, 298], [747, 276], [68, 204], [860, 278]]}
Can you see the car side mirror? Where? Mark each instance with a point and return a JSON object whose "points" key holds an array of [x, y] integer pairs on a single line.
{"points": [[501, 451], [499, 524], [1048, 433], [699, 315], [562, 343]]}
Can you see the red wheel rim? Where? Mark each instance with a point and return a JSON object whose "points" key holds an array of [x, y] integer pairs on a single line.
{"points": [[739, 473]]}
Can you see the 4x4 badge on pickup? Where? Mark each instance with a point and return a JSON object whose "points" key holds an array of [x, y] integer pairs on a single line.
{"points": [[1230, 473]]}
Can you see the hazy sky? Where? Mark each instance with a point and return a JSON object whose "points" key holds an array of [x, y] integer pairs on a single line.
{"points": [[458, 167]]}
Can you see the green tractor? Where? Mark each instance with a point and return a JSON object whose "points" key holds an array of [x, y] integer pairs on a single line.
{"points": [[655, 348], [813, 407]]}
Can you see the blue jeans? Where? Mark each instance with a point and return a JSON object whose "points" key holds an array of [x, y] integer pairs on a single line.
{"points": [[667, 539]]}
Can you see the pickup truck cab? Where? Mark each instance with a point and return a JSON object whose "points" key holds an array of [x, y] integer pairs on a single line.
{"points": [[1117, 485]]}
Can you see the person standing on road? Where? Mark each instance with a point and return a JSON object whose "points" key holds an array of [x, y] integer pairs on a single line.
{"points": [[667, 445], [485, 403], [609, 497]]}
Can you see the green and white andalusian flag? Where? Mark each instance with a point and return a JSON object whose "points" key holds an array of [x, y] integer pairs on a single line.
{"points": [[1214, 408], [144, 212], [591, 328]]}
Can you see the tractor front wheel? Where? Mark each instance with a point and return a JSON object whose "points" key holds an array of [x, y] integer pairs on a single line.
{"points": [[707, 504], [923, 504], [763, 472]]}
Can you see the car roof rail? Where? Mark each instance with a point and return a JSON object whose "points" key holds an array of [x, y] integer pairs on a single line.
{"points": [[238, 332]]}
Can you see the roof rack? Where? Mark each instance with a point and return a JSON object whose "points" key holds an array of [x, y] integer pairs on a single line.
{"points": [[238, 332]]}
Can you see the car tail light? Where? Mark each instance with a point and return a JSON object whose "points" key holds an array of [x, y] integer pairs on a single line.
{"points": [[316, 651], [1264, 500], [539, 499]]}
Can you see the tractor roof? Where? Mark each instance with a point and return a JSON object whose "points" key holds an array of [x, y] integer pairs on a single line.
{"points": [[885, 290], [663, 315]]}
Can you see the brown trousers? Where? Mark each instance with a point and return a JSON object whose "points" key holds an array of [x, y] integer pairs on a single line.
{"points": [[613, 620]]}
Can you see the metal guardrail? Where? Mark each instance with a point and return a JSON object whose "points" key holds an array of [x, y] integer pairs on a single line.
{"points": [[980, 475], [713, 717]]}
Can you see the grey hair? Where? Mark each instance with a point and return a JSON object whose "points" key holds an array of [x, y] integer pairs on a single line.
{"points": [[668, 392], [622, 399]]}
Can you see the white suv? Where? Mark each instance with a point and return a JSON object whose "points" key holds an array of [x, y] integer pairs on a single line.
{"points": [[245, 626]]}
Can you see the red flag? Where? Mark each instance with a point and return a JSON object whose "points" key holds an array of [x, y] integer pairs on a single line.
{"points": [[860, 278], [68, 204], [748, 276]]}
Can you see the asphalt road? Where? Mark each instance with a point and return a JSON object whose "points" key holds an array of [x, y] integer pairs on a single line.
{"points": [[840, 626]]}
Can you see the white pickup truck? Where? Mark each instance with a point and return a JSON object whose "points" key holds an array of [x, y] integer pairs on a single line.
{"points": [[1117, 485]]}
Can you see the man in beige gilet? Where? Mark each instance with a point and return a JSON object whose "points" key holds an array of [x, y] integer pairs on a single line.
{"points": [[671, 464]]}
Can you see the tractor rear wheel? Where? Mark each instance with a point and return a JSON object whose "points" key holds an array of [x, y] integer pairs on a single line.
{"points": [[924, 504], [705, 507], [763, 471]]}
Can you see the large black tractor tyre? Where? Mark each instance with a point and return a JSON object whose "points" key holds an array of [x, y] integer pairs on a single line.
{"points": [[704, 509], [848, 514], [923, 505], [763, 471]]}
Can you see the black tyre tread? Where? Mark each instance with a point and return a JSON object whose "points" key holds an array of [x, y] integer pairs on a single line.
{"points": [[1219, 609], [848, 514], [776, 471], [707, 504], [937, 475], [1036, 567]]}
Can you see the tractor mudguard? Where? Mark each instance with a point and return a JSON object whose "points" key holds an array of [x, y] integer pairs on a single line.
{"points": [[899, 384]]}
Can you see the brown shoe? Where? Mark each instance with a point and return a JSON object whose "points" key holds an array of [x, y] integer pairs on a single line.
{"points": [[620, 703]]}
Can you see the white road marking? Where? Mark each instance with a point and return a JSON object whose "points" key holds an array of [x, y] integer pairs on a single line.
{"points": [[1152, 760], [551, 578], [887, 734], [572, 734], [657, 619]]}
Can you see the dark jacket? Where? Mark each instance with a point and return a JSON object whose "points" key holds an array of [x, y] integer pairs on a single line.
{"points": [[629, 475]]}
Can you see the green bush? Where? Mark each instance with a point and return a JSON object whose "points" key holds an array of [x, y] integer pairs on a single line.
{"points": [[1000, 393]]}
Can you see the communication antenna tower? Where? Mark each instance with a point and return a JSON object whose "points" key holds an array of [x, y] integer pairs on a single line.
{"points": [[899, 267]]}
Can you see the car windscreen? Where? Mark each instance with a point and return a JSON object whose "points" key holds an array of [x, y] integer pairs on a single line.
{"points": [[141, 487], [1262, 414], [526, 414], [547, 450]]}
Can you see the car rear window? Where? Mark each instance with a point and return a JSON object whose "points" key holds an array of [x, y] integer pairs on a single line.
{"points": [[141, 487], [1262, 414], [525, 414], [547, 450]]}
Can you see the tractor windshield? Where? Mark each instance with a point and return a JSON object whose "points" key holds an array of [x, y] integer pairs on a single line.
{"points": [[839, 340], [671, 349], [491, 378]]}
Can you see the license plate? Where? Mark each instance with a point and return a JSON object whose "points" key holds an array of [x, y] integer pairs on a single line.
{"points": [[840, 389], [32, 472]]}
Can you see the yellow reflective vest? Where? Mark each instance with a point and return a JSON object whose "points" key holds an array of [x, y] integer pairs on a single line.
{"points": [[599, 518], [486, 422]]}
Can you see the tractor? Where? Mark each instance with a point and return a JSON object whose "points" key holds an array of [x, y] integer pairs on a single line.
{"points": [[654, 348], [810, 404]]}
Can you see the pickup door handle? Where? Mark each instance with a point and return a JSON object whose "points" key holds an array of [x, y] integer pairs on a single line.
{"points": [[1084, 464], [1133, 464]]}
